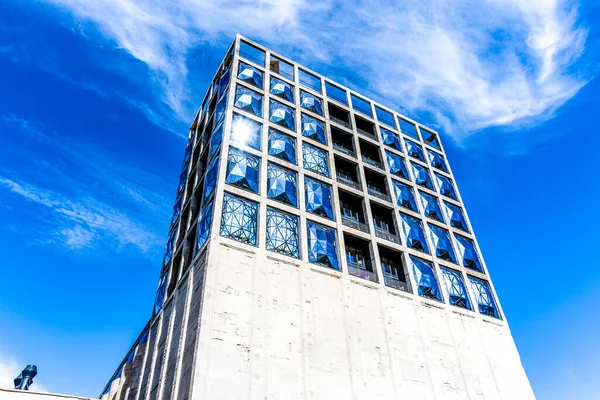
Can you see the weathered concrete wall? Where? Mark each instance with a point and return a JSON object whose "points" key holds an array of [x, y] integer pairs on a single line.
{"points": [[275, 329], [9, 394]]}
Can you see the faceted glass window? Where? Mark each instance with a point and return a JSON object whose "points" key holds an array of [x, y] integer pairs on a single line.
{"points": [[468, 253], [414, 237], [251, 75], [177, 208], [408, 128], [425, 278], [182, 180], [242, 169], [421, 175], [220, 109], [210, 181], [414, 150], [282, 233], [310, 102], [246, 131], [282, 146], [215, 141], [315, 159], [446, 186], [204, 225], [161, 292], [397, 165], [361, 105], [390, 138], [404, 196], [248, 100], [441, 243], [385, 117], [281, 67], [313, 128], [437, 160], [281, 114], [455, 286], [483, 297], [282, 89], [455, 214], [321, 245], [281, 184], [239, 220], [336, 93], [170, 246], [430, 138], [224, 81], [318, 198], [431, 206], [251, 53], [309, 80]]}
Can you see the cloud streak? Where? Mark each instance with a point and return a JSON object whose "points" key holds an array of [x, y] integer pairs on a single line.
{"points": [[471, 65]]}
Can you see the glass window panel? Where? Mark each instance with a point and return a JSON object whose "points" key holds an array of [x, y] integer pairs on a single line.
{"points": [[281, 67], [281, 184], [315, 159], [282, 115], [322, 245], [404, 196], [204, 225], [251, 75], [248, 100], [389, 138], [468, 253], [310, 102], [313, 128], [446, 186], [440, 239], [414, 150], [408, 128], [422, 177], [455, 286], [361, 105], [430, 138], [242, 170], [484, 297], [318, 198], [210, 181], [252, 53], [385, 117], [282, 146], [281, 89], [431, 206], [396, 165], [309, 80], [246, 131], [437, 160], [239, 219], [425, 278], [282, 233], [336, 93], [414, 237], [456, 216]]}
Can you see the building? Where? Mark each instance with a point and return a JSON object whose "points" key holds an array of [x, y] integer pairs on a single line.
{"points": [[319, 249], [13, 394]]}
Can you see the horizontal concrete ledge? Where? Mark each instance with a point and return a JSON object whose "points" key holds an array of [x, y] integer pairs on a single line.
{"points": [[10, 394]]}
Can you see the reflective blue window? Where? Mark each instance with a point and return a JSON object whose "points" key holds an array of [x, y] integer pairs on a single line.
{"points": [[422, 177], [161, 292], [170, 246], [318, 198], [336, 93], [248, 100], [313, 128], [282, 146], [455, 286], [408, 128], [446, 186], [182, 180], [251, 75], [321, 245], [390, 138], [440, 239], [484, 297], [309, 80], [246, 131], [239, 219], [188, 151], [252, 53], [281, 67], [282, 89], [412, 230], [220, 109], [225, 79], [315, 159], [215, 140], [281, 114], [437, 160], [404, 196], [396, 165], [456, 217], [431, 206], [281, 184], [414, 150], [282, 233], [425, 277], [361, 105], [204, 225], [177, 208], [210, 181], [468, 253], [430, 138], [310, 102], [242, 169], [385, 117]]}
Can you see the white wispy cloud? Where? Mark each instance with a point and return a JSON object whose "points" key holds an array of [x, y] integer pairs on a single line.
{"points": [[472, 64]]}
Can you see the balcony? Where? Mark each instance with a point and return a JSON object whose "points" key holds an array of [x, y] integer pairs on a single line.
{"points": [[340, 122], [383, 234], [378, 193], [372, 162], [394, 282], [346, 180], [370, 135], [340, 147], [353, 223], [361, 271]]}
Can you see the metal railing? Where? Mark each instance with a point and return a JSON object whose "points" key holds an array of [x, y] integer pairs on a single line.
{"points": [[349, 182], [378, 194], [368, 134], [360, 271], [393, 282], [372, 162], [340, 147], [340, 122], [352, 223], [383, 234]]}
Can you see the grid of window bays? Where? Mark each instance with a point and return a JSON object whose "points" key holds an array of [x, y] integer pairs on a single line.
{"points": [[420, 180]]}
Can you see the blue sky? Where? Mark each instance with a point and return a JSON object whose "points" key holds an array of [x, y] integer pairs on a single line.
{"points": [[96, 98]]}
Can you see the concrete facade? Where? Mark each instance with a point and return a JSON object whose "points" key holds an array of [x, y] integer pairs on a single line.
{"points": [[234, 320], [10, 394]]}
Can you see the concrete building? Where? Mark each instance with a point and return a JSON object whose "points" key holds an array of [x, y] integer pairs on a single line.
{"points": [[12, 394], [319, 249]]}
